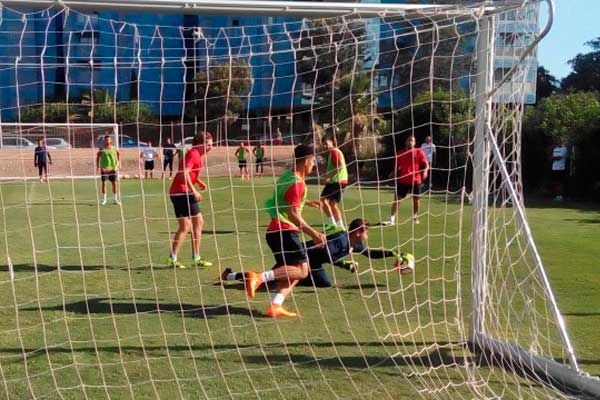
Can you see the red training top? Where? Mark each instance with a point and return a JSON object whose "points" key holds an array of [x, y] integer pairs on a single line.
{"points": [[409, 165], [192, 163]]}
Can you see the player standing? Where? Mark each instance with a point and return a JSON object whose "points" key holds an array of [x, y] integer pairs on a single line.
{"points": [[411, 170], [284, 233], [168, 157], [108, 159], [259, 154], [148, 154], [242, 155], [336, 178], [429, 150], [41, 158], [185, 198]]}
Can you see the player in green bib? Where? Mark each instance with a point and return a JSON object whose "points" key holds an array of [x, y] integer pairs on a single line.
{"points": [[259, 154], [284, 233], [108, 159], [336, 178], [242, 153]]}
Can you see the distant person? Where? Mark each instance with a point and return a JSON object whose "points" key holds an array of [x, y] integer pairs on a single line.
{"points": [[41, 159], [411, 170], [278, 138], [336, 179], [559, 169], [148, 154], [429, 150], [168, 157], [242, 153], [259, 154], [108, 159]]}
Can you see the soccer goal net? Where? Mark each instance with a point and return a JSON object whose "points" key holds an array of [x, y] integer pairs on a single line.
{"points": [[91, 308]]}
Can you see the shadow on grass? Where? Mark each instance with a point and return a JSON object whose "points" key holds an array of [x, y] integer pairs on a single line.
{"points": [[52, 268], [210, 232], [584, 220], [581, 314], [104, 306], [435, 358]]}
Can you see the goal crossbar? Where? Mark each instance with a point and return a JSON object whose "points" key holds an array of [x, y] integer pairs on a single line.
{"points": [[256, 7]]}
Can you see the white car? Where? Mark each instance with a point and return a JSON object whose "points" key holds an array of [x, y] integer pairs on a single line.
{"points": [[57, 143], [187, 142], [15, 142]]}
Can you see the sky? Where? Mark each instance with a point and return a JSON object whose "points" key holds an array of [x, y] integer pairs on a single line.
{"points": [[576, 22]]}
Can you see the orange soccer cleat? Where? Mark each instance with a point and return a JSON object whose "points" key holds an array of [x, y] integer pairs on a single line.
{"points": [[276, 310], [253, 282]]}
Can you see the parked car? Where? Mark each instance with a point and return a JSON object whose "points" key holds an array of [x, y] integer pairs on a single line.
{"points": [[187, 142], [57, 143], [16, 142], [126, 141]]}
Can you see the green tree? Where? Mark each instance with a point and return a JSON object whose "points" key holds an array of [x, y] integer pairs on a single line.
{"points": [[221, 93], [586, 70], [546, 84]]}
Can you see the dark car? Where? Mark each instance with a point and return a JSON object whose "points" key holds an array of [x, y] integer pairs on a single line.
{"points": [[125, 141]]}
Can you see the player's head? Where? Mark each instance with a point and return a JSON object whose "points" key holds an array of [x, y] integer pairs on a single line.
{"points": [[168, 140], [40, 142], [107, 141], [304, 158], [242, 144], [149, 143], [327, 142], [358, 231], [428, 139], [203, 141], [410, 142]]}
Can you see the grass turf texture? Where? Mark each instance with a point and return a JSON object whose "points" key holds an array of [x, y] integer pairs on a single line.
{"points": [[147, 330]]}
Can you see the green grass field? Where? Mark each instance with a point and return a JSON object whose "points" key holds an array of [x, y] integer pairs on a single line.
{"points": [[94, 313]]}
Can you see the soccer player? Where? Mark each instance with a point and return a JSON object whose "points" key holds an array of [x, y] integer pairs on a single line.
{"points": [[108, 159], [339, 245], [411, 170], [336, 178], [259, 154], [41, 158], [185, 197], [284, 233], [148, 154], [242, 155], [429, 150], [168, 157], [559, 168]]}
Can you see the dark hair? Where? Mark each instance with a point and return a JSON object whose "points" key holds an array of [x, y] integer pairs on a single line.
{"points": [[357, 224], [107, 137], [326, 138], [201, 138], [303, 151]]}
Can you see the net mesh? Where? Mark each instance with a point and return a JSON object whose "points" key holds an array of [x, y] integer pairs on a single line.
{"points": [[90, 310]]}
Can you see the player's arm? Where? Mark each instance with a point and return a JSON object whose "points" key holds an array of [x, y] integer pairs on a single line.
{"points": [[98, 155], [49, 158], [296, 218], [190, 184], [118, 159], [35, 158], [237, 152], [424, 165]]}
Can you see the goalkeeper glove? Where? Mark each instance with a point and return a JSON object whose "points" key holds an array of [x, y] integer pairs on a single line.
{"points": [[350, 265], [405, 262]]}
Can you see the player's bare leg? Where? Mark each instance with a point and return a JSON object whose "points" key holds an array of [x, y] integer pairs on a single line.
{"points": [[185, 224], [415, 200], [197, 224]]}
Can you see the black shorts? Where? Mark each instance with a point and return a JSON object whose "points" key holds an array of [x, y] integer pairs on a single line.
{"points": [[42, 167], [559, 176], [260, 161], [287, 247], [403, 189], [148, 165], [110, 175], [242, 163], [168, 163], [333, 191], [185, 205]]}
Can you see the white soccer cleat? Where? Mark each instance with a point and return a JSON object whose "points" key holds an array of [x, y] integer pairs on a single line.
{"points": [[387, 223], [103, 202]]}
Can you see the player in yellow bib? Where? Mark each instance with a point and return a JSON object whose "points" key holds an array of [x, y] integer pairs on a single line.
{"points": [[259, 154], [336, 178], [108, 159], [242, 153]]}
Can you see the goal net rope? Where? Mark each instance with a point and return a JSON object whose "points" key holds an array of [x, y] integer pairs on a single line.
{"points": [[90, 308]]}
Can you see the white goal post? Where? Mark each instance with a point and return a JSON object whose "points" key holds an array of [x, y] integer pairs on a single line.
{"points": [[494, 171]]}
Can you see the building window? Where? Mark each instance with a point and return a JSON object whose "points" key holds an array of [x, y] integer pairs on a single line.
{"points": [[90, 37], [235, 22]]}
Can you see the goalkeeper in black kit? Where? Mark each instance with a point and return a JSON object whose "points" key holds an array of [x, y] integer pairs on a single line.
{"points": [[340, 244]]}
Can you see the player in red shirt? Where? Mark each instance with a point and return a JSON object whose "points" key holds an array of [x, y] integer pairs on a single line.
{"points": [[185, 198], [411, 170], [284, 234]]}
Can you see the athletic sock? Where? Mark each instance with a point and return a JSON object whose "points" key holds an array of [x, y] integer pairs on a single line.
{"points": [[104, 196], [173, 256], [278, 299], [194, 256], [392, 219], [268, 276], [235, 276]]}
